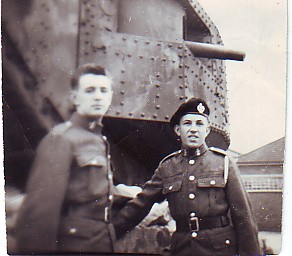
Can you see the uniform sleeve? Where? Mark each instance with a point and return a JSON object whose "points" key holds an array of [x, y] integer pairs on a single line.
{"points": [[241, 214], [138, 208], [38, 220]]}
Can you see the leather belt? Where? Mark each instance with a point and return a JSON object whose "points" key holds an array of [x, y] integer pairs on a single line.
{"points": [[194, 224]]}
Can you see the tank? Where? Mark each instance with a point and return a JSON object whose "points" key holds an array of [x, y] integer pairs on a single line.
{"points": [[159, 53]]}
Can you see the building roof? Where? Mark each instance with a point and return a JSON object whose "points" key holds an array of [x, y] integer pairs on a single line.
{"points": [[272, 152]]}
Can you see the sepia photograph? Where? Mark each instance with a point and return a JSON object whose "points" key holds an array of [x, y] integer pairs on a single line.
{"points": [[134, 127]]}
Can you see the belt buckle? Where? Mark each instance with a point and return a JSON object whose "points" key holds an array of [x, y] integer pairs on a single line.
{"points": [[194, 224]]}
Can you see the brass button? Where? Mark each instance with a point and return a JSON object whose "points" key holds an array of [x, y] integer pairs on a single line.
{"points": [[194, 234], [170, 187], [192, 161], [227, 241], [192, 196], [191, 177], [212, 182], [193, 214], [72, 230]]}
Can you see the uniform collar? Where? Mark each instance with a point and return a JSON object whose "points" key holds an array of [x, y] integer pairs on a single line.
{"points": [[87, 123], [194, 152]]}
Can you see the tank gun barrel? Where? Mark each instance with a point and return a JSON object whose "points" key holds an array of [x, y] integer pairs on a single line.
{"points": [[211, 51]]}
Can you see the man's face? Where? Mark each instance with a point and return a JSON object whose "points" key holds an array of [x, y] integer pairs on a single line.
{"points": [[93, 96], [192, 130]]}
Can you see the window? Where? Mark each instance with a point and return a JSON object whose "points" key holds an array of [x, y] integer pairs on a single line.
{"points": [[263, 183]]}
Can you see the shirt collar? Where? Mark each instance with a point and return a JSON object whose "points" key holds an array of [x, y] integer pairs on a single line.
{"points": [[87, 123]]}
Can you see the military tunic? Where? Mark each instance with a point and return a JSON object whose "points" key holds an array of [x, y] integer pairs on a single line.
{"points": [[201, 202], [69, 193]]}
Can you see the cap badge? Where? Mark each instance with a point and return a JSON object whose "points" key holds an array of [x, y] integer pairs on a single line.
{"points": [[201, 108]]}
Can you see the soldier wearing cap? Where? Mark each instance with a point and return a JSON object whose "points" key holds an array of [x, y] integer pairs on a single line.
{"points": [[69, 191], [205, 194]]}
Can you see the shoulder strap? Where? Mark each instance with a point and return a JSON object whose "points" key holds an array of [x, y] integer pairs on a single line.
{"points": [[226, 161], [61, 128], [170, 155]]}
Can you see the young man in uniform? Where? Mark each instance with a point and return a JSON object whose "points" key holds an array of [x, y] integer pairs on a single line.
{"points": [[202, 187], [69, 191]]}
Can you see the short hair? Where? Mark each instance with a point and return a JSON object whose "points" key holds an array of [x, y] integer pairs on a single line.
{"points": [[89, 68]]}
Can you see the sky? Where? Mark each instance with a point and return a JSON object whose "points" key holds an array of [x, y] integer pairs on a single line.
{"points": [[257, 86]]}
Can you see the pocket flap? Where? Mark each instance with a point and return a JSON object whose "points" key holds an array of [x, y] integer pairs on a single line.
{"points": [[212, 182], [172, 186], [224, 239]]}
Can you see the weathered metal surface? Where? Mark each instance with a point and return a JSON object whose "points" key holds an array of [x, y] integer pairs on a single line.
{"points": [[150, 49], [45, 34]]}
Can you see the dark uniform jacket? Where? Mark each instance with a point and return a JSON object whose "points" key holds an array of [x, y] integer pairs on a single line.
{"points": [[201, 201], [69, 193]]}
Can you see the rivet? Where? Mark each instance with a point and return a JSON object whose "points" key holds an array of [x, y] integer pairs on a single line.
{"points": [[157, 85], [169, 45], [154, 116], [159, 44], [180, 47], [180, 76], [141, 56], [166, 117], [130, 114], [181, 86], [152, 58], [118, 112], [181, 97], [124, 38], [157, 75], [129, 55], [122, 103], [122, 81], [164, 59], [158, 107], [180, 65], [123, 71], [147, 42], [136, 41], [142, 114], [122, 92], [157, 96]]}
